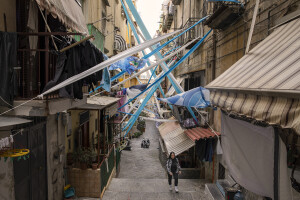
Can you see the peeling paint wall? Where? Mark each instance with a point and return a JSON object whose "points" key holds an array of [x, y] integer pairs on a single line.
{"points": [[55, 156], [7, 191]]}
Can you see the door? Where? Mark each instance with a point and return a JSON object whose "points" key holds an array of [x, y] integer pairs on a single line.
{"points": [[31, 175]]}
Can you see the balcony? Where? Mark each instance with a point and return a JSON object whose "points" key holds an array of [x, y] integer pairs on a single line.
{"points": [[168, 13], [192, 34], [224, 16]]}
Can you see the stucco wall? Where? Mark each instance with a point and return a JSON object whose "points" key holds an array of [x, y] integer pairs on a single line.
{"points": [[55, 132], [9, 9], [7, 191], [75, 126]]}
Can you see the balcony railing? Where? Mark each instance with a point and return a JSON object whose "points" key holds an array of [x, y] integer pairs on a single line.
{"points": [[192, 34], [36, 67]]}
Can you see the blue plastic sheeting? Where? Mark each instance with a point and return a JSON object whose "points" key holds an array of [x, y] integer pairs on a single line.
{"points": [[197, 98], [129, 64]]}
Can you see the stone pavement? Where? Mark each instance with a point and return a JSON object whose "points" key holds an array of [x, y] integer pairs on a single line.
{"points": [[142, 176]]}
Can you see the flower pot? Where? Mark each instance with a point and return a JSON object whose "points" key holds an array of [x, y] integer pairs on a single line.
{"points": [[95, 166], [83, 166]]}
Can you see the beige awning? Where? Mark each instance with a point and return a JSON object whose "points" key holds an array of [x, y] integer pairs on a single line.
{"points": [[10, 121], [265, 83], [67, 11], [174, 137]]}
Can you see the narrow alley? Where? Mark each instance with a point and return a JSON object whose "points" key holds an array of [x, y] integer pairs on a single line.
{"points": [[143, 177]]}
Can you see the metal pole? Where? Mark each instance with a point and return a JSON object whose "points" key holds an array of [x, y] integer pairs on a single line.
{"points": [[276, 163], [252, 26]]}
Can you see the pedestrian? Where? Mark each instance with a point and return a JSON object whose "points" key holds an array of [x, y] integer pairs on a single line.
{"points": [[173, 169]]}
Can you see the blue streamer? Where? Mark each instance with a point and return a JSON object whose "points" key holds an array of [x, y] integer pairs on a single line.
{"points": [[112, 79], [172, 68], [165, 44]]}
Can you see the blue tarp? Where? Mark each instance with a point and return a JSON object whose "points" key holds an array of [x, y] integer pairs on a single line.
{"points": [[129, 64], [197, 97]]}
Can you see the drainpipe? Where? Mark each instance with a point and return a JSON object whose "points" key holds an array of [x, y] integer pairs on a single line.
{"points": [[182, 14], [213, 70]]}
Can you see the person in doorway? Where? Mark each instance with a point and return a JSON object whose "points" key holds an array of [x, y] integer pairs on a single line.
{"points": [[173, 169]]}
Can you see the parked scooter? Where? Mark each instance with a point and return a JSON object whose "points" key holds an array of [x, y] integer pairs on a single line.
{"points": [[145, 143]]}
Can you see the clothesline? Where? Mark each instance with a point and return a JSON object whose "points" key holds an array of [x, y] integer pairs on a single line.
{"points": [[7, 141]]}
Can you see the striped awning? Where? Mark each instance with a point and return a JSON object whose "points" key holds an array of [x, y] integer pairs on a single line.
{"points": [[265, 83], [200, 133], [174, 138], [120, 43], [68, 12]]}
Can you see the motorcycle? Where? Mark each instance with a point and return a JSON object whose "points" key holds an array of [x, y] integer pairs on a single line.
{"points": [[145, 143]]}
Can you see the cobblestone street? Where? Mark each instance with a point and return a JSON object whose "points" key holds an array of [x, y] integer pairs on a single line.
{"points": [[143, 177]]}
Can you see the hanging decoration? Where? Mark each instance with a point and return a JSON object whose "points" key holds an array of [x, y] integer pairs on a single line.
{"points": [[129, 64]]}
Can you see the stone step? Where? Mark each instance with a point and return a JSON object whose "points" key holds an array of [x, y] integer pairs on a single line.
{"points": [[124, 188], [213, 192]]}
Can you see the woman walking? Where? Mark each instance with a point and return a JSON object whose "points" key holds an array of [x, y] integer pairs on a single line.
{"points": [[173, 169]]}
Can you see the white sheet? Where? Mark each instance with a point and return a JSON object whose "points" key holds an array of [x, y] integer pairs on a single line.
{"points": [[249, 154]]}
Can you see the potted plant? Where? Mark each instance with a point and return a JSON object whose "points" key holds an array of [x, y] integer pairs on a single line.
{"points": [[76, 155], [84, 159], [141, 125], [93, 158]]}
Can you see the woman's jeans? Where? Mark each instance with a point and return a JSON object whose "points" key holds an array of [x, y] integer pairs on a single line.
{"points": [[175, 177]]}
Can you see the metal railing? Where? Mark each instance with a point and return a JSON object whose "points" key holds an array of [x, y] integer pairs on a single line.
{"points": [[36, 67], [194, 33], [106, 168]]}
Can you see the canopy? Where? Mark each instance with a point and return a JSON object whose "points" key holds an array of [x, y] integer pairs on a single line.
{"points": [[10, 121], [197, 97], [68, 12], [174, 137], [264, 84]]}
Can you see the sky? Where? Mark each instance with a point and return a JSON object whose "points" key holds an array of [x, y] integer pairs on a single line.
{"points": [[150, 10]]}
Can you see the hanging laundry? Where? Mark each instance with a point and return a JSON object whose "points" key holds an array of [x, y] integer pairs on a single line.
{"points": [[122, 101], [72, 62], [209, 150], [189, 123], [200, 149], [8, 61], [106, 84], [129, 64]]}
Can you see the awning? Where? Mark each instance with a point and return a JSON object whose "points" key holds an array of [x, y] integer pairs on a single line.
{"points": [[68, 12], [174, 138], [98, 103], [10, 121], [200, 133], [264, 84]]}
